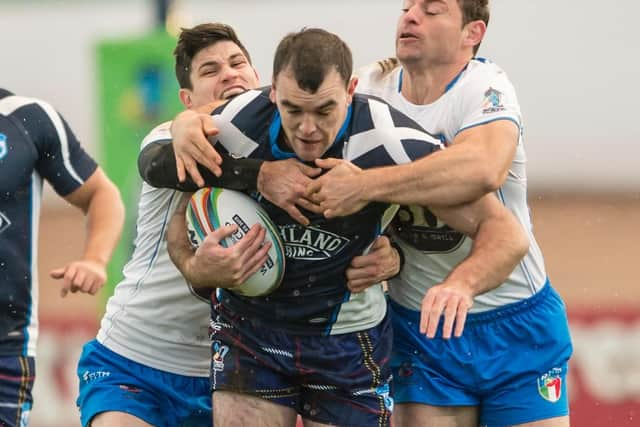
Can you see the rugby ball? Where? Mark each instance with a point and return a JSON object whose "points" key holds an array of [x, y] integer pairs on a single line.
{"points": [[210, 208]]}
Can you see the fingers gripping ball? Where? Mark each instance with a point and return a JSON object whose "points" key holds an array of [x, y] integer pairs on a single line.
{"points": [[211, 208]]}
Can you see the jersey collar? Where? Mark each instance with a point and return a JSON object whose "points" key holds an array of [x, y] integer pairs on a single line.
{"points": [[446, 89]]}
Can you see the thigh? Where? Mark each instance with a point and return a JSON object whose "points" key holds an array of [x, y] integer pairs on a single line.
{"points": [[16, 383], [241, 410], [348, 380], [524, 367], [550, 422], [117, 419], [418, 415], [111, 383], [430, 371], [253, 361]]}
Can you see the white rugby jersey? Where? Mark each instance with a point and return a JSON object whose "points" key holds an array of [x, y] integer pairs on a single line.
{"points": [[480, 94], [154, 317]]}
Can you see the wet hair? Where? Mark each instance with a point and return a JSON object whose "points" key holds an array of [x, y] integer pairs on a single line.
{"points": [[193, 40], [311, 54]]}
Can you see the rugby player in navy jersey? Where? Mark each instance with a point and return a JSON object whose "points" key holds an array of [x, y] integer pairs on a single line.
{"points": [[150, 367], [37, 144], [312, 347]]}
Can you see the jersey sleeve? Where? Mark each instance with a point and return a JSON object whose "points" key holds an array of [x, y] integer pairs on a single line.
{"points": [[487, 96], [236, 121], [61, 159]]}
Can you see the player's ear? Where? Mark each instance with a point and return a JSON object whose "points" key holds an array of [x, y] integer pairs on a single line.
{"points": [[473, 33], [185, 97], [351, 88], [272, 93]]}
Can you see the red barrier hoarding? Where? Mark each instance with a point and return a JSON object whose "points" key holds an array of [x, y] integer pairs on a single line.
{"points": [[604, 374]]}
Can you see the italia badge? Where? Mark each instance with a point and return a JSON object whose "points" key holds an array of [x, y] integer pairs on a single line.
{"points": [[550, 385]]}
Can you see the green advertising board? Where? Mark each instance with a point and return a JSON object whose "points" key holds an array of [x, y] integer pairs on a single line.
{"points": [[137, 90]]}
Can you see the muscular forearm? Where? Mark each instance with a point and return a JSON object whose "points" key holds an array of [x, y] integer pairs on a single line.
{"points": [[445, 178], [157, 166], [498, 246], [475, 164], [105, 219]]}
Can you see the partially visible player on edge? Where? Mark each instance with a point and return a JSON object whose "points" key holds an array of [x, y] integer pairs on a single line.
{"points": [[312, 347], [149, 364], [37, 144], [510, 366]]}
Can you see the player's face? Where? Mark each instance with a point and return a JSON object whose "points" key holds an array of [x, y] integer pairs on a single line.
{"points": [[311, 121], [429, 32], [218, 72]]}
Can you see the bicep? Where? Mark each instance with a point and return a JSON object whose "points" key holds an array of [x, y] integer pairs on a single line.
{"points": [[82, 196], [467, 217], [494, 143]]}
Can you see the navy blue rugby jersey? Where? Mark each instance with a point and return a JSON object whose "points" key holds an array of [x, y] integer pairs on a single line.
{"points": [[35, 143], [314, 298]]}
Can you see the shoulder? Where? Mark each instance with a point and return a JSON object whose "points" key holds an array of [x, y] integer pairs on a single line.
{"points": [[160, 133], [381, 135], [26, 107], [245, 103], [481, 72]]}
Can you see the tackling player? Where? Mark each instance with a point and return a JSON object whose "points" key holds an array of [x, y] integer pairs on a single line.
{"points": [[312, 347], [510, 365]]}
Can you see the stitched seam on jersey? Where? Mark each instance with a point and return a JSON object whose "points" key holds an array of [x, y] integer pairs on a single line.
{"points": [[19, 101], [63, 138], [33, 247], [156, 250], [152, 260], [336, 311], [523, 265], [511, 119]]}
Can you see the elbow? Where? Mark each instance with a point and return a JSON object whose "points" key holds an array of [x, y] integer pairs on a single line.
{"points": [[117, 205], [491, 179], [523, 243], [147, 169]]}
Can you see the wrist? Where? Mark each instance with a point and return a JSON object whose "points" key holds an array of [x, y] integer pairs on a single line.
{"points": [[100, 261], [401, 259]]}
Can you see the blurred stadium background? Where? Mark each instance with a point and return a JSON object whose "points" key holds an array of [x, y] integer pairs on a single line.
{"points": [[107, 67]]}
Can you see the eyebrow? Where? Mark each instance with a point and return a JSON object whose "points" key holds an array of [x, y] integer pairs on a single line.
{"points": [[216, 62], [289, 104], [208, 63], [237, 55]]}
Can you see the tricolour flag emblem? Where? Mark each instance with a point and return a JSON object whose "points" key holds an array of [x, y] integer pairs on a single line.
{"points": [[550, 385]]}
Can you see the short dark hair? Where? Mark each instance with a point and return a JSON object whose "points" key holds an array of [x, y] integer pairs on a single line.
{"points": [[311, 53], [193, 40], [474, 10]]}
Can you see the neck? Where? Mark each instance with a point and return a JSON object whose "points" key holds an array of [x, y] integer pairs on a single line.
{"points": [[424, 84]]}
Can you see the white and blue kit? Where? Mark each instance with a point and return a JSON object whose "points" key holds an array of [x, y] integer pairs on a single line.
{"points": [[152, 353], [516, 341], [304, 344], [36, 144]]}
